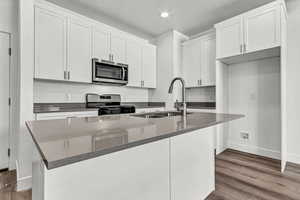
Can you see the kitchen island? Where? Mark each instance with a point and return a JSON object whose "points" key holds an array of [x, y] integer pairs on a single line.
{"points": [[125, 157]]}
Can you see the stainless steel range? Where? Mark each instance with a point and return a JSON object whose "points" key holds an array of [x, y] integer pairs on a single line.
{"points": [[108, 104]]}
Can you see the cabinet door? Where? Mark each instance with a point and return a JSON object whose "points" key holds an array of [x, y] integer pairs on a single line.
{"points": [[208, 61], [192, 62], [118, 48], [149, 66], [229, 37], [79, 51], [192, 165], [262, 28], [134, 61], [50, 45], [101, 44], [139, 173]]}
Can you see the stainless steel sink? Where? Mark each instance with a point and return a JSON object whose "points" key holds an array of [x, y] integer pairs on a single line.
{"points": [[159, 114]]}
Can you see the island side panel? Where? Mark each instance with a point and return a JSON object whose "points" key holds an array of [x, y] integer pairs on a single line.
{"points": [[137, 173], [192, 165]]}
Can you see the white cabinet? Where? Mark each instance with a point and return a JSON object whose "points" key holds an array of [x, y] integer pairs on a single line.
{"points": [[208, 61], [101, 43], [149, 66], [134, 61], [253, 31], [66, 42], [192, 62], [139, 173], [199, 61], [108, 45], [262, 28], [230, 37], [141, 59], [118, 48], [50, 44], [79, 51], [54, 59], [192, 165]]}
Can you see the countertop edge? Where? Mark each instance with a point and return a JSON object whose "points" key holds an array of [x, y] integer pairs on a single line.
{"points": [[71, 160]]}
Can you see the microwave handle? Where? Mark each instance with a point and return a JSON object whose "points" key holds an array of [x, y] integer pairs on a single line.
{"points": [[123, 73]]}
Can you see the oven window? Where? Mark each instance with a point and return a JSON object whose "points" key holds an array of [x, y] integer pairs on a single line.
{"points": [[108, 71]]}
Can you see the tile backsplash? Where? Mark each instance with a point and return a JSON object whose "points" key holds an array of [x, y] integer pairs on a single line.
{"points": [[59, 92]]}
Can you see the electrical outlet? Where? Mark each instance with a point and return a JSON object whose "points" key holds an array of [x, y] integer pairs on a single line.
{"points": [[245, 136]]}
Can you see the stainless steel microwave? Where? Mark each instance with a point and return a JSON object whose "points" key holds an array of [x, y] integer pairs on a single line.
{"points": [[107, 72]]}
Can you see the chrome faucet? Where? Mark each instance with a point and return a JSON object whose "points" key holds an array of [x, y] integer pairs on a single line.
{"points": [[183, 107]]}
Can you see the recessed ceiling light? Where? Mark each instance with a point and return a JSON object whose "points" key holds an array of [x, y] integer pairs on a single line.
{"points": [[164, 14]]}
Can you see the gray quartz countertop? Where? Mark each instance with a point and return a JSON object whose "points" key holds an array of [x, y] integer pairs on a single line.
{"points": [[65, 141]]}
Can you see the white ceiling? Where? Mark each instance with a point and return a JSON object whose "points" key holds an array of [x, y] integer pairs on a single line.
{"points": [[187, 16]]}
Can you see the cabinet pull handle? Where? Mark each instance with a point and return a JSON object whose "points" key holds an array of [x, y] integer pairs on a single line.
{"points": [[69, 75], [245, 48], [65, 74], [112, 57], [200, 82], [241, 48]]}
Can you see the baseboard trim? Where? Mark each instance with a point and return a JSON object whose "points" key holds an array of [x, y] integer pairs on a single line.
{"points": [[293, 158], [23, 183], [255, 150]]}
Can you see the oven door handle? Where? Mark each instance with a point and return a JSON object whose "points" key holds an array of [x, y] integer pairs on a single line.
{"points": [[123, 73]]}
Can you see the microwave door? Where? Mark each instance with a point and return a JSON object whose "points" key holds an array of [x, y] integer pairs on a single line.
{"points": [[105, 72]]}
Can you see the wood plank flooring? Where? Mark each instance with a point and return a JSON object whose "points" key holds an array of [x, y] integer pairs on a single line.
{"points": [[239, 176], [7, 187]]}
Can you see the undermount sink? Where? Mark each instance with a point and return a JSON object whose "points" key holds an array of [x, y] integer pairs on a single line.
{"points": [[159, 114]]}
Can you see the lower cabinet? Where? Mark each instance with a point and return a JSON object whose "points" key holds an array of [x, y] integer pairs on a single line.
{"points": [[177, 168], [139, 173], [192, 165]]}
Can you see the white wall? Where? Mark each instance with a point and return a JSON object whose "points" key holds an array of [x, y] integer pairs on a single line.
{"points": [[25, 145], [293, 81], [254, 91], [203, 94], [51, 92], [169, 66]]}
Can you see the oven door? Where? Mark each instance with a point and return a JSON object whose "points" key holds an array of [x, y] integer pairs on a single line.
{"points": [[109, 73]]}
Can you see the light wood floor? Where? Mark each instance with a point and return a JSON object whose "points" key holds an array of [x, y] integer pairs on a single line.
{"points": [[239, 176]]}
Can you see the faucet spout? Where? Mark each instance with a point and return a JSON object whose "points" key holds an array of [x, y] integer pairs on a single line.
{"points": [[183, 109]]}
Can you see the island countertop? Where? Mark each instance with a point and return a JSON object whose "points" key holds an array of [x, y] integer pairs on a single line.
{"points": [[66, 141]]}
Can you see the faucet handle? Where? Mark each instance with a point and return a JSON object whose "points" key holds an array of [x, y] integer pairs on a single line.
{"points": [[177, 105]]}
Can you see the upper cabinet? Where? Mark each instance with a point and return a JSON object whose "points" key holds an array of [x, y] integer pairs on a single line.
{"points": [[134, 61], [79, 51], [66, 42], [118, 48], [199, 58], [141, 59], [50, 45], [208, 61], [262, 28], [229, 37], [101, 43], [191, 60], [253, 31], [149, 66]]}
